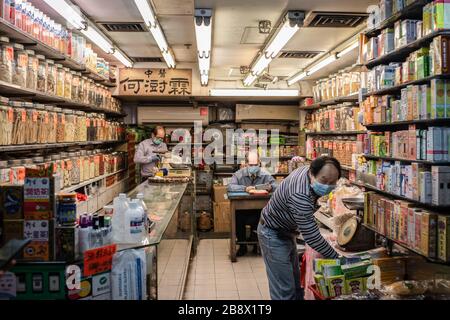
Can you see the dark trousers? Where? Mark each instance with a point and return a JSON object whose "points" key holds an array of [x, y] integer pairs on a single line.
{"points": [[247, 217]]}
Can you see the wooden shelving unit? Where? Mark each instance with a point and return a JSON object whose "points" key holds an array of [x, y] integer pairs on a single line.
{"points": [[352, 98]]}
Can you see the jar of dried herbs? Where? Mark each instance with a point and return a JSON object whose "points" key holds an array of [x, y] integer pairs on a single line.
{"points": [[20, 66], [6, 60], [32, 70]]}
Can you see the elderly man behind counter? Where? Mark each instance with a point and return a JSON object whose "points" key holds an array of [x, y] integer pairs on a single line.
{"points": [[149, 152], [245, 180]]}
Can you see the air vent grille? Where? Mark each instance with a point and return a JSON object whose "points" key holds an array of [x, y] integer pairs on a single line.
{"points": [[334, 19], [124, 27], [147, 59], [299, 54]]}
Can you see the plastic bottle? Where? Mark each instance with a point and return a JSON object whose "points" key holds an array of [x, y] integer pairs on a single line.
{"points": [[108, 231], [121, 205], [136, 226], [95, 236], [83, 234], [140, 197]]}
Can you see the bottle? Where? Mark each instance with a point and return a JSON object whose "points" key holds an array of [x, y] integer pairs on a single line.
{"points": [[140, 197], [108, 228], [83, 234], [136, 226], [121, 205], [103, 231], [95, 236]]}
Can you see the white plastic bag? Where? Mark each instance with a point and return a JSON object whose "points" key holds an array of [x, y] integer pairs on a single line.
{"points": [[129, 275]]}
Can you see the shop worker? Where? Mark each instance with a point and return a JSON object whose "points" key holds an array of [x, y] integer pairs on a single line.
{"points": [[289, 213], [149, 152], [245, 180]]}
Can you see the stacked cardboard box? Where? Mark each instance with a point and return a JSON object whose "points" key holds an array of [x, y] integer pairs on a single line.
{"points": [[222, 219]]}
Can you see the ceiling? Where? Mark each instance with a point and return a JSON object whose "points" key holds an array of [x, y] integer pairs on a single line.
{"points": [[236, 40]]}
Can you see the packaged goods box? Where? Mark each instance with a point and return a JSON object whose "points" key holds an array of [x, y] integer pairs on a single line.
{"points": [[222, 217], [219, 193]]}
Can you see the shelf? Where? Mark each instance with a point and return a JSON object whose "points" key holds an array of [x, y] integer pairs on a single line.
{"points": [[26, 147], [399, 55], [223, 173], [395, 89], [295, 122], [334, 133], [318, 105], [85, 183], [411, 11], [403, 245], [442, 163], [17, 35], [393, 195], [405, 124], [12, 90]]}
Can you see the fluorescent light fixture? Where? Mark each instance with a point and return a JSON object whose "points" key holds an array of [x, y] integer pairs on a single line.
{"points": [[203, 34], [249, 79], [349, 49], [69, 12], [322, 64], [150, 20], [204, 79], [297, 78], [283, 36], [123, 59], [98, 39], [252, 93]]}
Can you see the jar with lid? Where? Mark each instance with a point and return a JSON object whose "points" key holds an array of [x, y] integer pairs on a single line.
{"points": [[41, 82], [82, 126], [6, 60], [92, 165], [31, 123], [89, 127], [39, 162], [44, 125], [52, 75], [67, 83], [80, 88], [6, 122], [4, 172], [58, 171], [32, 70], [75, 86], [76, 162], [82, 158], [20, 66], [96, 163], [101, 165], [91, 92], [69, 128], [60, 77], [85, 90], [19, 122], [61, 123], [52, 124], [68, 168], [17, 174]]}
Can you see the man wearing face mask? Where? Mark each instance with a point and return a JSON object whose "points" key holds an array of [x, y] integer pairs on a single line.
{"points": [[245, 180], [149, 152], [290, 213]]}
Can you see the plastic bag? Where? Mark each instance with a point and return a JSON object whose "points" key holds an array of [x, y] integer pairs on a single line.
{"points": [[129, 275]]}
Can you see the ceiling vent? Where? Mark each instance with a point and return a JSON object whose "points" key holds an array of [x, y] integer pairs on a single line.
{"points": [[334, 19], [299, 54], [147, 59], [124, 27]]}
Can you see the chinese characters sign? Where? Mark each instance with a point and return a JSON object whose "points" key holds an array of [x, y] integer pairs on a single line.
{"points": [[155, 82], [37, 198], [98, 260]]}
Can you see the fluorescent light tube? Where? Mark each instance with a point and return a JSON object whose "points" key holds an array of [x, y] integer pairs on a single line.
{"points": [[297, 78], [285, 33], [146, 12], [204, 64], [168, 57], [69, 12], [249, 79], [347, 50], [322, 64], [124, 60], [159, 38], [203, 35], [204, 79], [252, 93], [98, 39]]}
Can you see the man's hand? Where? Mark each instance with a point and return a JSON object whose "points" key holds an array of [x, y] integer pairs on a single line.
{"points": [[250, 188], [155, 158]]}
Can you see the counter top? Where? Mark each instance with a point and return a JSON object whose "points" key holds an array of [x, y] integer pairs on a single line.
{"points": [[162, 200]]}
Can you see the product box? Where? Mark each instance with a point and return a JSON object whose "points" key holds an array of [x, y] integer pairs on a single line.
{"points": [[434, 144], [331, 270], [425, 181], [438, 94], [427, 16], [321, 285], [444, 238], [440, 56], [41, 234], [441, 14], [440, 185], [222, 218], [220, 193], [418, 230], [66, 243], [428, 244], [336, 285], [356, 270], [11, 202], [319, 263], [354, 286]]}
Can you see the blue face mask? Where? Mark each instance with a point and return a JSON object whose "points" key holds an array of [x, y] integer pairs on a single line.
{"points": [[322, 189], [157, 141], [254, 170]]}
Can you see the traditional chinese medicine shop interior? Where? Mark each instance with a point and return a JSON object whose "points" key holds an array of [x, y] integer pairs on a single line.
{"points": [[167, 141]]}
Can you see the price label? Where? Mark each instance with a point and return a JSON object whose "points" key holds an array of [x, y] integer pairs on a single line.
{"points": [[63, 119], [88, 123], [34, 116], [46, 121], [98, 260], [24, 116], [10, 115], [55, 119]]}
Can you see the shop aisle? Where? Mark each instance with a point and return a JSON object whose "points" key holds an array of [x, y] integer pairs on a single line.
{"points": [[212, 276]]}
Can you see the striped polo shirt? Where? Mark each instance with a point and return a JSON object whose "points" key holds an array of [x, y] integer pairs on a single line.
{"points": [[291, 209]]}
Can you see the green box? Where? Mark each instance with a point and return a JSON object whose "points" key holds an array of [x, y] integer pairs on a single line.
{"points": [[356, 270], [438, 94], [353, 286], [336, 286], [331, 270], [422, 67], [321, 285], [319, 263]]}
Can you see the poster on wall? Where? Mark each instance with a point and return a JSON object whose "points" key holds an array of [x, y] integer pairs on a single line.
{"points": [[155, 82]]}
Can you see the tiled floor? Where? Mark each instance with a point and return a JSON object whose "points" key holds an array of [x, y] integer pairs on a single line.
{"points": [[212, 276]]}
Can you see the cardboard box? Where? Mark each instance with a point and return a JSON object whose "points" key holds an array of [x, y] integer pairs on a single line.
{"points": [[222, 218], [41, 234], [11, 202], [438, 94], [426, 191], [440, 185], [444, 238], [321, 285], [428, 245], [353, 286], [392, 269], [336, 286], [219, 193]]}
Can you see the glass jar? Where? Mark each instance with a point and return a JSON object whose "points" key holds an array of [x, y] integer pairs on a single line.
{"points": [[41, 81], [85, 90], [91, 165], [61, 123], [69, 128], [81, 88], [58, 170], [52, 125], [96, 163], [101, 165], [67, 83], [6, 60], [32, 70], [75, 94], [19, 122], [60, 77], [52, 75], [44, 125], [91, 92], [20, 66], [82, 165], [31, 123], [82, 125], [6, 122], [4, 172], [76, 167], [68, 168]]}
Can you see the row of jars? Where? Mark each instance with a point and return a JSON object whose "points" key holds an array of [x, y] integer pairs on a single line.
{"points": [[341, 84], [31, 123], [29, 70], [70, 168]]}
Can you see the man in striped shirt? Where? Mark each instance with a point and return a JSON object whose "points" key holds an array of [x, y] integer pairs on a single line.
{"points": [[288, 213]]}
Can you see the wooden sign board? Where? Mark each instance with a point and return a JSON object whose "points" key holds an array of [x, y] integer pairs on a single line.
{"points": [[155, 82]]}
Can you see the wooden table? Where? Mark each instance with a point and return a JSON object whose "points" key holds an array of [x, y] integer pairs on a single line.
{"points": [[240, 201]]}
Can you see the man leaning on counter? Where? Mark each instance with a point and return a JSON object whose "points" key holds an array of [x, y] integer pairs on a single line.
{"points": [[245, 180], [150, 151]]}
